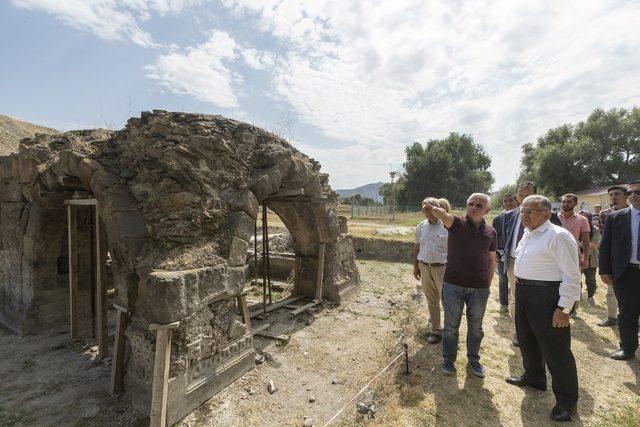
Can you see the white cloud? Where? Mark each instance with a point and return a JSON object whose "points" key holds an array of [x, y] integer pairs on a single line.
{"points": [[201, 71], [258, 60], [109, 19], [382, 74]]}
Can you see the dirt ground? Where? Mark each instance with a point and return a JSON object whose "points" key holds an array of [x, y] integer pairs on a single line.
{"points": [[324, 359]]}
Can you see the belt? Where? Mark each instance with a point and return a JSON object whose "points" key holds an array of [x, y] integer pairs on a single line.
{"points": [[541, 283], [432, 264]]}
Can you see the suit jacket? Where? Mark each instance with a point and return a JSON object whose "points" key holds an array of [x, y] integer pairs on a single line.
{"points": [[615, 246], [509, 224], [498, 224]]}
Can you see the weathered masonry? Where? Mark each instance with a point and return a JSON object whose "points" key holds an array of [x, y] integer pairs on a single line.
{"points": [[171, 200]]}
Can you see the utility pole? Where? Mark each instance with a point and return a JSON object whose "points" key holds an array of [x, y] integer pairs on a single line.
{"points": [[392, 174]]}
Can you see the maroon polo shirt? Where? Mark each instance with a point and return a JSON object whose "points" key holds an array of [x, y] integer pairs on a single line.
{"points": [[468, 253]]}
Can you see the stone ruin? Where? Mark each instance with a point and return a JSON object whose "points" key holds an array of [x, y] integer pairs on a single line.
{"points": [[179, 196]]}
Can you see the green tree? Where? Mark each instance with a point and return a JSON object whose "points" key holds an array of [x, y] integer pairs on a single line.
{"points": [[453, 167], [496, 199], [387, 192], [604, 149]]}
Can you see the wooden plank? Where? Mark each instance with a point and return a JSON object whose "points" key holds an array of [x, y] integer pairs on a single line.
{"points": [[244, 309], [320, 272], [261, 328], [72, 222], [101, 291], [305, 307], [160, 387], [80, 202], [272, 336], [291, 306], [117, 367], [275, 306]]}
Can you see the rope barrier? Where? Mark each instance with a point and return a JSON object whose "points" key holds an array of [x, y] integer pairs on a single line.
{"points": [[402, 353]]}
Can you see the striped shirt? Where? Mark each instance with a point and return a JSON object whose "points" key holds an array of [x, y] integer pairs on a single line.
{"points": [[432, 239]]}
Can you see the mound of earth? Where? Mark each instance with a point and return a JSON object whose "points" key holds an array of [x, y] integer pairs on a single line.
{"points": [[13, 130]]}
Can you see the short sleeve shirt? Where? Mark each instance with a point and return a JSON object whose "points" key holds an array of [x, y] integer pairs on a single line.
{"points": [[576, 225], [432, 239], [468, 253]]}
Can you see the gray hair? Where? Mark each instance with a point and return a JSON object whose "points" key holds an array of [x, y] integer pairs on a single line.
{"points": [[480, 196], [539, 200]]}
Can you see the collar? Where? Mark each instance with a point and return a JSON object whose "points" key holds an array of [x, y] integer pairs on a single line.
{"points": [[634, 211], [469, 222], [438, 223], [542, 228], [566, 217]]}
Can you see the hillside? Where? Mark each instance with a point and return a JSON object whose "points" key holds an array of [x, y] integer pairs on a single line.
{"points": [[368, 190], [13, 130]]}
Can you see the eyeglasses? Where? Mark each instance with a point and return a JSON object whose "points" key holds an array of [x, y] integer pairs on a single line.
{"points": [[475, 205], [636, 192], [530, 211]]}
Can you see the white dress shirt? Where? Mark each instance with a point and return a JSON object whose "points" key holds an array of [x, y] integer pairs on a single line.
{"points": [[550, 253], [635, 223], [514, 237], [432, 239]]}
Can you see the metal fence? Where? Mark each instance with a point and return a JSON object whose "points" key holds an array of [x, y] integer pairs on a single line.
{"points": [[359, 211]]}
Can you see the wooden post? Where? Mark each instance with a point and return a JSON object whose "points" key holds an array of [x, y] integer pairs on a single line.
{"points": [[158, 415], [101, 289], [320, 272], [73, 271], [244, 309], [117, 367]]}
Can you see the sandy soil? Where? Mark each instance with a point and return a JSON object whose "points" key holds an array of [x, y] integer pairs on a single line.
{"points": [[324, 359]]}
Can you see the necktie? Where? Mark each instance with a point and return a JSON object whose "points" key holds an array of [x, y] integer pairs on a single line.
{"points": [[520, 232], [638, 242]]}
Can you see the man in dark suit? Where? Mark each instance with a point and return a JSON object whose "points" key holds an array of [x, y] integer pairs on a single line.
{"points": [[509, 202], [620, 267], [513, 231]]}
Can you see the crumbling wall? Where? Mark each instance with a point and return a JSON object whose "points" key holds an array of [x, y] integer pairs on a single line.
{"points": [[179, 195]]}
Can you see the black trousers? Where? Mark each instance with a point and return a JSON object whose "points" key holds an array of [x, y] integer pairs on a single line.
{"points": [[627, 290], [541, 343], [590, 278]]}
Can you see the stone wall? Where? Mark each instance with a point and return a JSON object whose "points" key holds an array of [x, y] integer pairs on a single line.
{"points": [[179, 196], [383, 249]]}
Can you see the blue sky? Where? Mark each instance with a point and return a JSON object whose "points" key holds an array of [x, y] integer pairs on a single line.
{"points": [[349, 82]]}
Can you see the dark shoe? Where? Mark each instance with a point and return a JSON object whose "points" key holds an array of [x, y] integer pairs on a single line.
{"points": [[621, 355], [608, 321], [560, 414], [523, 381], [514, 340], [448, 367], [477, 369], [434, 338]]}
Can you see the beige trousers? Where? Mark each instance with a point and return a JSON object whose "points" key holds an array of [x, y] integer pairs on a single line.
{"points": [[431, 278], [612, 303], [511, 263]]}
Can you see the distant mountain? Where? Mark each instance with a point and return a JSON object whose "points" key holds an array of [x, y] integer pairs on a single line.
{"points": [[13, 130], [369, 190]]}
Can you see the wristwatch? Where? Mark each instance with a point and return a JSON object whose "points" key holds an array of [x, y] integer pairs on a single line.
{"points": [[564, 310]]}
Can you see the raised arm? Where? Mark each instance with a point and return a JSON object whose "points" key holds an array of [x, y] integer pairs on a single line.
{"points": [[441, 214]]}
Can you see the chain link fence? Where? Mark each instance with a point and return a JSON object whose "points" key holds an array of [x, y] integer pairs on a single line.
{"points": [[360, 211]]}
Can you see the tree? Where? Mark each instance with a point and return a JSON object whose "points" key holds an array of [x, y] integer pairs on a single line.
{"points": [[357, 198], [602, 150], [387, 192], [453, 167]]}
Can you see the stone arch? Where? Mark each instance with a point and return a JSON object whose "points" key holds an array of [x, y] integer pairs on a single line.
{"points": [[179, 195]]}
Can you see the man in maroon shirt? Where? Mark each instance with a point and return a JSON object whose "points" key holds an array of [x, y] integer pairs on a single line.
{"points": [[471, 262]]}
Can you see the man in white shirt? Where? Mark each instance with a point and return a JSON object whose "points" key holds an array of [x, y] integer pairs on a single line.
{"points": [[548, 279], [429, 261]]}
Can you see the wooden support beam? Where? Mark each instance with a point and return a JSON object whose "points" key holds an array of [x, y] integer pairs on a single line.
{"points": [[275, 306], [160, 387], [101, 289], [320, 272], [80, 202], [260, 328], [117, 367], [72, 222], [305, 307], [244, 309]]}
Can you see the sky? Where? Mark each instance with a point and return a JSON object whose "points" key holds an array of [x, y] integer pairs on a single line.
{"points": [[350, 83]]}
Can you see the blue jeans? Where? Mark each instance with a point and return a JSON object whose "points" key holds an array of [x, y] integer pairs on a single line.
{"points": [[454, 299], [503, 284]]}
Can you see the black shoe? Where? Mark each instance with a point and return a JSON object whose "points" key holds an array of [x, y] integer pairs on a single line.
{"points": [[608, 321], [523, 381], [621, 355], [434, 338], [560, 414]]}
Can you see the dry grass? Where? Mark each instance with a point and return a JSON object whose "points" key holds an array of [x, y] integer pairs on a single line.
{"points": [[609, 390]]}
